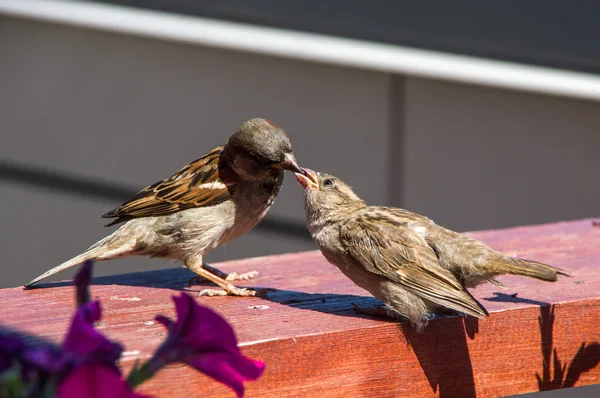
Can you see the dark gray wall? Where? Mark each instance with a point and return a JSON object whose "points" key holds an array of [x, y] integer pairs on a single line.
{"points": [[485, 158]]}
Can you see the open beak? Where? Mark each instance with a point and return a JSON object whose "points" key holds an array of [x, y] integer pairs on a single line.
{"points": [[290, 164], [307, 178]]}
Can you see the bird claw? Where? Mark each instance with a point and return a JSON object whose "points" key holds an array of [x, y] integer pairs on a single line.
{"points": [[246, 276], [236, 291], [212, 292]]}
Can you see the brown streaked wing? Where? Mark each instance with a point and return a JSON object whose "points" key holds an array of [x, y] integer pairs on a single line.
{"points": [[196, 185], [405, 258]]}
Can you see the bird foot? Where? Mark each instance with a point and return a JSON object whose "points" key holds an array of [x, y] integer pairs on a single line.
{"points": [[246, 276], [234, 291]]}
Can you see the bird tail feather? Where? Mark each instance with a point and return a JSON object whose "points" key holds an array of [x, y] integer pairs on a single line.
{"points": [[104, 249], [534, 269]]}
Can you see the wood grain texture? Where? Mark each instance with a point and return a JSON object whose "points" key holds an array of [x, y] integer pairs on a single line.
{"points": [[539, 336]]}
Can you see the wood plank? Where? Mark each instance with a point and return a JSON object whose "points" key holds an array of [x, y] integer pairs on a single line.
{"points": [[315, 345]]}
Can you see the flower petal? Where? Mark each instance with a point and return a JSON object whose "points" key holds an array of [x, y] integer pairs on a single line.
{"points": [[10, 348], [82, 281], [46, 358], [84, 343], [183, 308], [95, 381], [202, 327], [229, 369], [203, 339], [42, 358], [11, 344], [166, 322]]}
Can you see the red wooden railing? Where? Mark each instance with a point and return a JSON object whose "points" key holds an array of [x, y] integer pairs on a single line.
{"points": [[539, 336]]}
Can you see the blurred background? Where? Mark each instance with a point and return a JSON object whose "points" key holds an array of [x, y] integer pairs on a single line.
{"points": [[495, 126]]}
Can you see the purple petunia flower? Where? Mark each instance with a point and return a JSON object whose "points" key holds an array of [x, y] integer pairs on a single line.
{"points": [[94, 380], [83, 343], [33, 359], [82, 281], [85, 364], [10, 348], [46, 358], [202, 339]]}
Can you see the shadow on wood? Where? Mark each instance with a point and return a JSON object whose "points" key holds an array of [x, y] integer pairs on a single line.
{"points": [[567, 375], [446, 362]]}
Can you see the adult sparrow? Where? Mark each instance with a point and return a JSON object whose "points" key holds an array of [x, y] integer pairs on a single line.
{"points": [[404, 259], [207, 203]]}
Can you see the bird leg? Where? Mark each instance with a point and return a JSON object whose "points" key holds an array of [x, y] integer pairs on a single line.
{"points": [[232, 276], [228, 289]]}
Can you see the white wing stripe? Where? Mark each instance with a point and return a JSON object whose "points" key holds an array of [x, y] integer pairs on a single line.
{"points": [[212, 185]]}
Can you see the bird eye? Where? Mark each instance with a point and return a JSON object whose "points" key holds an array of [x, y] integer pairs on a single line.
{"points": [[328, 183]]}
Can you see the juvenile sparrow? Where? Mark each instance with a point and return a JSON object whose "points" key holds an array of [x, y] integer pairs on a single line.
{"points": [[207, 203], [404, 259]]}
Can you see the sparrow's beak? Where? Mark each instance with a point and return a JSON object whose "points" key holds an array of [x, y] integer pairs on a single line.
{"points": [[289, 164], [308, 178]]}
